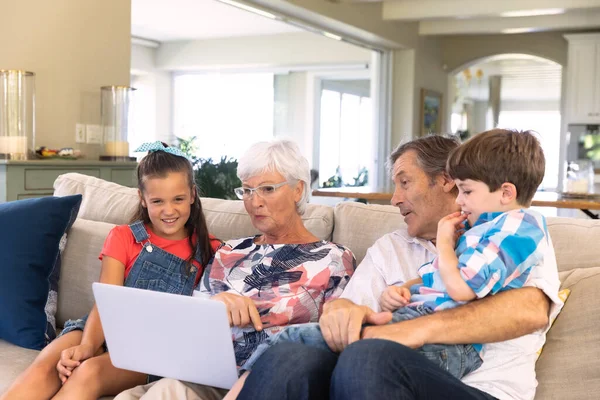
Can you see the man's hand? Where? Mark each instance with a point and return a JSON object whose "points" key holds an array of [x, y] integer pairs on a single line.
{"points": [[394, 297], [489, 320], [241, 310], [409, 333], [342, 321]]}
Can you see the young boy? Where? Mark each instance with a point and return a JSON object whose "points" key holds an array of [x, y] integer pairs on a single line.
{"points": [[497, 173], [490, 246]]}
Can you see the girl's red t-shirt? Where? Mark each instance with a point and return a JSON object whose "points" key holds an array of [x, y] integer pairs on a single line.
{"points": [[120, 244]]}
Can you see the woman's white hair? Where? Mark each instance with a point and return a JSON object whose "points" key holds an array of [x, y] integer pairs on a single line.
{"points": [[278, 155]]}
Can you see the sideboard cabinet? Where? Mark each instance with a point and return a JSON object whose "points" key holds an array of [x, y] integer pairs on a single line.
{"points": [[35, 178]]}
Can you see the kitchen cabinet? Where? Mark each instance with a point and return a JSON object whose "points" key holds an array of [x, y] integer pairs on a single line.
{"points": [[583, 79], [35, 178]]}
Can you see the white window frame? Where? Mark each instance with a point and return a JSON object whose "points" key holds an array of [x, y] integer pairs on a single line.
{"points": [[381, 97]]}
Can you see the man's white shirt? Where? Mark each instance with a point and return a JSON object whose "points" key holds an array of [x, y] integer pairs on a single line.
{"points": [[508, 370]]}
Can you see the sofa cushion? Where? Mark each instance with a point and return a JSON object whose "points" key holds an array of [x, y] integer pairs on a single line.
{"points": [[102, 200], [569, 366], [583, 254], [81, 267], [358, 225], [14, 361], [29, 244], [563, 295], [228, 219]]}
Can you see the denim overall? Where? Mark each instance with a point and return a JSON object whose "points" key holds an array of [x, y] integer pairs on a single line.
{"points": [[157, 270], [154, 269]]}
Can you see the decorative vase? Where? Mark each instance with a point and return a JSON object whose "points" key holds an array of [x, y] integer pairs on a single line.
{"points": [[17, 115], [116, 109]]}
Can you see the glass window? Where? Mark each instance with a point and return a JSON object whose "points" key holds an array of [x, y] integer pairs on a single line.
{"points": [[226, 112], [143, 113], [345, 136], [458, 122]]}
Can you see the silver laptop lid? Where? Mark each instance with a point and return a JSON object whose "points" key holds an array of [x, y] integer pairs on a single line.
{"points": [[168, 335]]}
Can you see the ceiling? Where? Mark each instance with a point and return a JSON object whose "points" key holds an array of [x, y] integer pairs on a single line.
{"points": [[524, 78], [174, 20], [452, 17]]}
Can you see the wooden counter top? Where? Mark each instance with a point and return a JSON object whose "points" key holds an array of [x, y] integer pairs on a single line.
{"points": [[70, 163], [360, 192], [541, 199], [553, 199]]}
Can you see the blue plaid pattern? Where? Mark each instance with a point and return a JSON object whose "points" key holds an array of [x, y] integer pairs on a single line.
{"points": [[496, 254]]}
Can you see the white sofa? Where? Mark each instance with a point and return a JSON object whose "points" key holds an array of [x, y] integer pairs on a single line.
{"points": [[569, 367]]}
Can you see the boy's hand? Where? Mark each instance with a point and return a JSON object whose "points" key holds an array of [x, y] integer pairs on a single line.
{"points": [[394, 297], [450, 228]]}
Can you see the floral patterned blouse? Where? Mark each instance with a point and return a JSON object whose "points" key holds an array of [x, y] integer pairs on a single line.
{"points": [[289, 283]]}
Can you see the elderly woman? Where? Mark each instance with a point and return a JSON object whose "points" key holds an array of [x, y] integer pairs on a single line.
{"points": [[280, 277]]}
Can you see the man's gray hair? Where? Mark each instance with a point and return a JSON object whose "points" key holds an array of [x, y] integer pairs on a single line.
{"points": [[278, 155], [431, 151]]}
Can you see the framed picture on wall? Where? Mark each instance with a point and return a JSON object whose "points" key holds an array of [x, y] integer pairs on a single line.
{"points": [[431, 112]]}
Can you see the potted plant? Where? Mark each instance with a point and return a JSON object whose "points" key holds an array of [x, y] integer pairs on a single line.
{"points": [[214, 179]]}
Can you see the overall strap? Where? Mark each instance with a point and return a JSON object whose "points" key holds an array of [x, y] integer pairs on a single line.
{"points": [[139, 231]]}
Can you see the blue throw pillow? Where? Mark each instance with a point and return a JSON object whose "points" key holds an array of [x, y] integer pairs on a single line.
{"points": [[52, 302], [30, 234]]}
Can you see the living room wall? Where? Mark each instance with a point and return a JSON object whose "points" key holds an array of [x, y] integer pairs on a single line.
{"points": [[461, 49], [415, 69], [74, 47]]}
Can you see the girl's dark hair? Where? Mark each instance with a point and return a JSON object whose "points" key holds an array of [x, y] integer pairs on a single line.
{"points": [[158, 164]]}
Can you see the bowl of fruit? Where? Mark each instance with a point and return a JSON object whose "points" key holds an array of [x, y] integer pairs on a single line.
{"points": [[66, 153]]}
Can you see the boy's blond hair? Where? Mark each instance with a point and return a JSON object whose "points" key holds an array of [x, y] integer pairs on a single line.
{"points": [[498, 156]]}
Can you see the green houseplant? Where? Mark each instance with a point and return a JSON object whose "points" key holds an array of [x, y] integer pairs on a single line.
{"points": [[214, 179]]}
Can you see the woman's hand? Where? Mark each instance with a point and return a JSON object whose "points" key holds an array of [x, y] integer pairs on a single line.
{"points": [[394, 297], [241, 310], [71, 358]]}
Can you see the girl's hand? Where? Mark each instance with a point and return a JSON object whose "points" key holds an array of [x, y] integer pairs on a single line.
{"points": [[450, 228], [71, 358], [241, 310], [394, 297]]}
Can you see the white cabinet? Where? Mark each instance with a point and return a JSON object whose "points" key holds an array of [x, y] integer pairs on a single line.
{"points": [[583, 81]]}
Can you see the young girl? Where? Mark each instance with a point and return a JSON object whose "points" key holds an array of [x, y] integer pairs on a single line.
{"points": [[165, 248]]}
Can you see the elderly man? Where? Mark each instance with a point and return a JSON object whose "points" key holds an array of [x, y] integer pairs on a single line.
{"points": [[511, 324]]}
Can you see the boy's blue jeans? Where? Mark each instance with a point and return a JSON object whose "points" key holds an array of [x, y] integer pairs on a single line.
{"points": [[458, 360]]}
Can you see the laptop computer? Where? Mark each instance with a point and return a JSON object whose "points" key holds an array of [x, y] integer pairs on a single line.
{"points": [[168, 335]]}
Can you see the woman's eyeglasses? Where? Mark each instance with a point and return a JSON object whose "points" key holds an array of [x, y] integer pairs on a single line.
{"points": [[264, 191]]}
